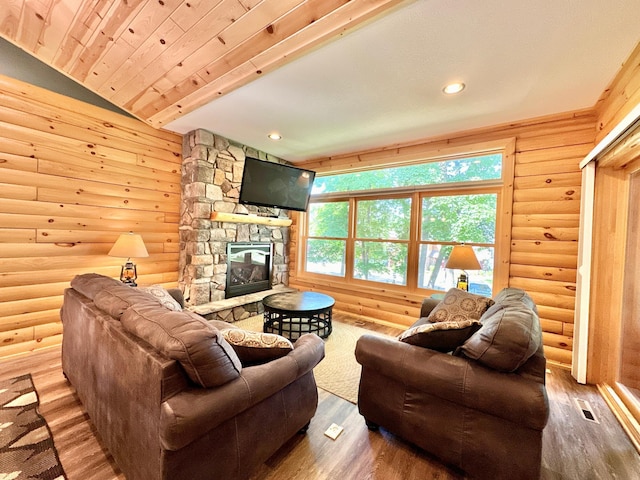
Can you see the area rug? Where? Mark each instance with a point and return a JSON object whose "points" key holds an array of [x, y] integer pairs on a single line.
{"points": [[339, 372], [26, 445]]}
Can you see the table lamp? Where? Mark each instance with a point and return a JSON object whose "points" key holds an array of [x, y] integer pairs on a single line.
{"points": [[129, 245], [463, 258]]}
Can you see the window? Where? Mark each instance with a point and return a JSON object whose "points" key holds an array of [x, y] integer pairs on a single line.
{"points": [[382, 240], [470, 169], [396, 226], [326, 246], [450, 219]]}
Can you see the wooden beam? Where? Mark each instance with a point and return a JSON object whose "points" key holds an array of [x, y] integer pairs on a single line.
{"points": [[238, 218]]}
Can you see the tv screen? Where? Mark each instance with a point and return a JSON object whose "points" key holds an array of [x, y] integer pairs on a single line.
{"points": [[271, 184]]}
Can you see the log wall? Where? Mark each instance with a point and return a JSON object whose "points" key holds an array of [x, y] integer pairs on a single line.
{"points": [[72, 178], [544, 235], [621, 96]]}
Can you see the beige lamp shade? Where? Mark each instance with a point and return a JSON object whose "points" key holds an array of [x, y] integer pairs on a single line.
{"points": [[463, 258], [129, 245]]}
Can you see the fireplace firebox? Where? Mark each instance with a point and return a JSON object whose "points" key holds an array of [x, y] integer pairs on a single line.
{"points": [[248, 268]]}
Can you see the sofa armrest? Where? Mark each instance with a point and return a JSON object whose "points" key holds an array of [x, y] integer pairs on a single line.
{"points": [[455, 379], [195, 411]]}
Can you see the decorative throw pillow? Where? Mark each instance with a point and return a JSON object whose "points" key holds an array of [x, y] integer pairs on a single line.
{"points": [[440, 336], [458, 305], [163, 296], [256, 347], [206, 356]]}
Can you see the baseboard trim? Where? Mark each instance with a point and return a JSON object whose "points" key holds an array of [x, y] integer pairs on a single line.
{"points": [[628, 422]]}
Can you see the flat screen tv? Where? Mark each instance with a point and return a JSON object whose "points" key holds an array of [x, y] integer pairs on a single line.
{"points": [[271, 184]]}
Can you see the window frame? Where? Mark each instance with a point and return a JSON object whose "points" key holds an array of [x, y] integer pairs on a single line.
{"points": [[502, 187]]}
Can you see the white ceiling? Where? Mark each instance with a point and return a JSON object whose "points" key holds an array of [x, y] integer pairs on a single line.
{"points": [[382, 84]]}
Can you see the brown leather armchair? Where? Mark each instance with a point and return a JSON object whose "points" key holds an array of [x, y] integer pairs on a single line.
{"points": [[484, 421]]}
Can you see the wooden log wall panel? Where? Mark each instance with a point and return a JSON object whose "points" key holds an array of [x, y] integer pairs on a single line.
{"points": [[544, 248], [157, 200], [74, 177], [621, 96], [544, 181], [19, 192], [543, 273], [551, 193], [149, 269], [545, 218], [23, 320]]}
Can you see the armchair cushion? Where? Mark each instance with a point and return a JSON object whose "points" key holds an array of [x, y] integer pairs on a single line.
{"points": [[509, 336], [458, 305], [207, 358], [256, 347], [440, 336]]}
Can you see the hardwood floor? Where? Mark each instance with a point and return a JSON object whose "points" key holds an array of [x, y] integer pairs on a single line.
{"points": [[573, 448]]}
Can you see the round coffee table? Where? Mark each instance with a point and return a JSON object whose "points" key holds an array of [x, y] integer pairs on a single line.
{"points": [[294, 314]]}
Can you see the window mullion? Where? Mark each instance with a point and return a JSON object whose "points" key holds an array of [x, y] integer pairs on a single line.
{"points": [[413, 247], [350, 247]]}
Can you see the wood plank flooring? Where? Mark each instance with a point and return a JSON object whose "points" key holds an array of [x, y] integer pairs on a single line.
{"points": [[573, 448]]}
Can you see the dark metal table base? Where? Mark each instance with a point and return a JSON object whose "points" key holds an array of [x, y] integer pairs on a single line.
{"points": [[293, 325], [294, 314]]}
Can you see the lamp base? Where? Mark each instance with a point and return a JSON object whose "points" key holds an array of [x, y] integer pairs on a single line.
{"points": [[463, 282], [129, 274]]}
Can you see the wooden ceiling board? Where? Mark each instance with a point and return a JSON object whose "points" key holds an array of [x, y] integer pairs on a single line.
{"points": [[51, 38], [160, 59], [314, 32], [256, 23]]}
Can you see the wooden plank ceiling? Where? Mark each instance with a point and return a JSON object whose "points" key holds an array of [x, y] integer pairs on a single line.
{"points": [[160, 59]]}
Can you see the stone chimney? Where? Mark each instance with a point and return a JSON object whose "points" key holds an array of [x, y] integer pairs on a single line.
{"points": [[212, 170]]}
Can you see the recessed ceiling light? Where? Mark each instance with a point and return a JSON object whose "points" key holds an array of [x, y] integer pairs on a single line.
{"points": [[453, 88], [275, 136]]}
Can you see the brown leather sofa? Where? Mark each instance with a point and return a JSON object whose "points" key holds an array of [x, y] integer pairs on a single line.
{"points": [[148, 403], [481, 409]]}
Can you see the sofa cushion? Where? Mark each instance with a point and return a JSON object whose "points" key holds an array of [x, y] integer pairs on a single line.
{"points": [[88, 284], [458, 305], [509, 336], [163, 296], [254, 348], [186, 337], [116, 299], [440, 336]]}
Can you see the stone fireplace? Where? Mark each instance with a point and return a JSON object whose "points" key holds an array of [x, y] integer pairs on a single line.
{"points": [[212, 170]]}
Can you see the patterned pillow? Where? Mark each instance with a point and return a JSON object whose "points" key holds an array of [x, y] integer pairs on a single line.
{"points": [[160, 294], [256, 347], [458, 305], [440, 336]]}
